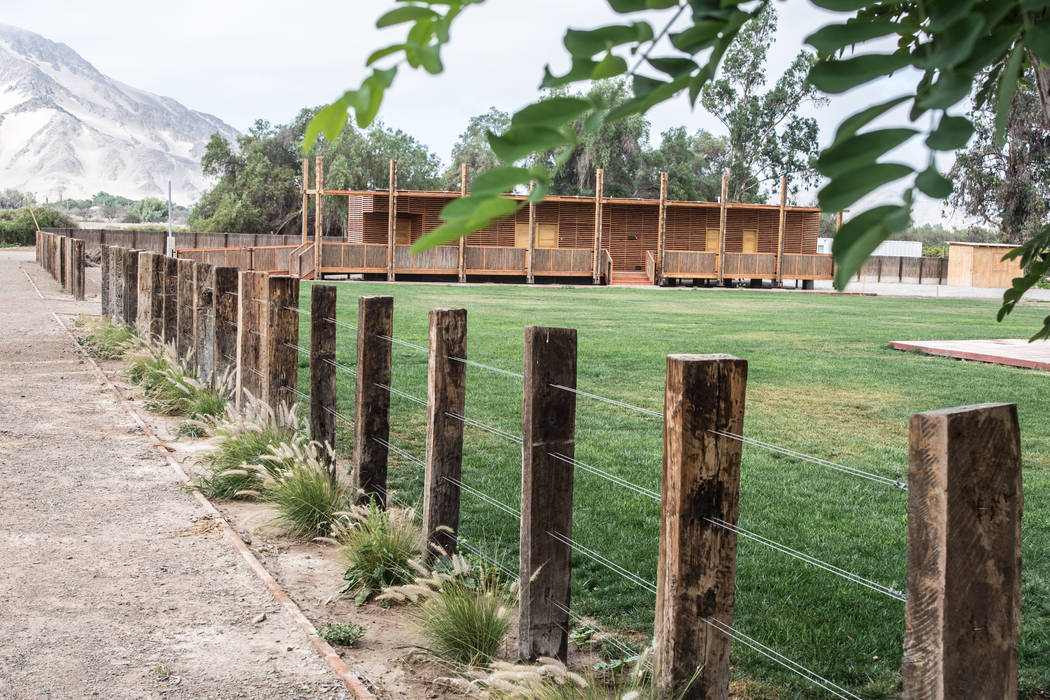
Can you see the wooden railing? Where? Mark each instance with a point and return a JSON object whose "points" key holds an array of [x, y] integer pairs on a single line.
{"points": [[262, 258], [441, 259], [353, 257], [301, 261], [695, 264], [562, 262], [688, 263], [492, 260], [807, 267], [759, 265]]}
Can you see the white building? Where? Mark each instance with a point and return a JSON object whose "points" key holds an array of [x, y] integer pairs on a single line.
{"points": [[903, 249]]}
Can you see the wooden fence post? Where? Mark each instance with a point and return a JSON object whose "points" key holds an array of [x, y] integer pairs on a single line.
{"points": [[322, 371], [145, 291], [375, 318], [184, 344], [251, 316], [281, 374], [446, 394], [78, 269], [63, 258], [548, 430], [963, 608], [131, 286], [204, 321], [224, 293], [170, 325], [105, 272], [699, 493]]}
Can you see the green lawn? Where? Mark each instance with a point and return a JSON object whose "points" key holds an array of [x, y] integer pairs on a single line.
{"points": [[821, 381]]}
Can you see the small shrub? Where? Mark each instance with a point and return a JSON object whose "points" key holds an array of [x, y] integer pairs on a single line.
{"points": [[298, 482], [381, 549], [104, 339], [169, 389], [465, 624], [192, 429], [343, 633], [242, 439]]}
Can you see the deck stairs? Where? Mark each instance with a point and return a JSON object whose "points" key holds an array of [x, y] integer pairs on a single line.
{"points": [[632, 279]]}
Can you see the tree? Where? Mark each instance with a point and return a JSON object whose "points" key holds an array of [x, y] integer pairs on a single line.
{"points": [[768, 139], [950, 43], [694, 166], [473, 147], [1007, 186], [146, 210]]}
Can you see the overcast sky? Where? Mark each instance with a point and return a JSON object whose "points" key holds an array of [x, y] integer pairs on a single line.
{"points": [[245, 60]]}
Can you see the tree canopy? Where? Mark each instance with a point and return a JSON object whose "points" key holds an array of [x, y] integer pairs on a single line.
{"points": [[981, 45]]}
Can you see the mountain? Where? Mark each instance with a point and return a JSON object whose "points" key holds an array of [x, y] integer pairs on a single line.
{"points": [[67, 130]]}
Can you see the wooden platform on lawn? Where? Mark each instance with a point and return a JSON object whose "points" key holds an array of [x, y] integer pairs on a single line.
{"points": [[1006, 351]]}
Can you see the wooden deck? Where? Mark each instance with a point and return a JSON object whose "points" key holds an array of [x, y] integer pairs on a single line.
{"points": [[1012, 352]]}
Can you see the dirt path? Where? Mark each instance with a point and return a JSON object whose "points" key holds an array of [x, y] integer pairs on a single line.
{"points": [[115, 583]]}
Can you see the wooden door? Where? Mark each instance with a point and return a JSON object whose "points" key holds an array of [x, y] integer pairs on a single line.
{"points": [[750, 244]]}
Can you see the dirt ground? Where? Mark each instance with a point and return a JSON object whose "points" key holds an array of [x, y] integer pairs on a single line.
{"points": [[115, 582]]}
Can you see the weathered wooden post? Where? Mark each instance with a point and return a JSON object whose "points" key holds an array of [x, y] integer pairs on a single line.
{"points": [[117, 292], [224, 292], [281, 376], [170, 325], [131, 286], [446, 394], [144, 315], [252, 315], [106, 272], [375, 325], [204, 321], [78, 268], [661, 232], [462, 260], [548, 431], [529, 277], [63, 262], [323, 398], [699, 496], [963, 607], [184, 343]]}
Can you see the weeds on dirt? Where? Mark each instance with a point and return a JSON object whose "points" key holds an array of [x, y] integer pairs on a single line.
{"points": [[171, 390], [466, 622], [382, 548], [299, 481], [242, 438], [342, 633], [104, 340]]}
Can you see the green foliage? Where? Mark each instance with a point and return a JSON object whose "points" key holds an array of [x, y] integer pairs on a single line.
{"points": [[380, 548], [473, 147], [18, 228], [465, 623], [344, 634], [304, 489], [694, 165], [104, 339], [170, 389], [146, 210]]}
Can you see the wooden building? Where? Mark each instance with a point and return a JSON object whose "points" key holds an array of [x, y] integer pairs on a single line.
{"points": [[572, 238], [981, 265]]}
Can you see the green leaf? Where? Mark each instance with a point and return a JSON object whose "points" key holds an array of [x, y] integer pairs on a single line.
{"points": [[1007, 86], [953, 45], [697, 37], [1037, 38], [586, 43], [473, 213], [932, 184], [641, 103], [329, 119], [405, 13], [581, 70], [859, 151], [848, 5], [951, 87], [845, 190], [861, 235], [673, 66], [610, 66], [950, 134], [519, 141], [477, 204], [500, 180], [551, 111], [383, 53], [835, 76], [625, 6], [861, 119], [833, 37], [946, 12]]}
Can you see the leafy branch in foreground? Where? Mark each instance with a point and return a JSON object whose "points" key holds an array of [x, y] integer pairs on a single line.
{"points": [[981, 46]]}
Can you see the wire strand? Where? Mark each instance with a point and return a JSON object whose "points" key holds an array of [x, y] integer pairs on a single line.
{"points": [[341, 323], [293, 346], [483, 496], [338, 415], [298, 393], [487, 428], [402, 394], [403, 342], [641, 490], [398, 451], [490, 368], [614, 402], [609, 564], [349, 370]]}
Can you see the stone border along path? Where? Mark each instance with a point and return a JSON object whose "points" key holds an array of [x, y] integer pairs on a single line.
{"points": [[117, 582]]}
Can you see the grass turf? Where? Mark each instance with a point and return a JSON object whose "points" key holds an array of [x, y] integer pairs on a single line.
{"points": [[821, 381]]}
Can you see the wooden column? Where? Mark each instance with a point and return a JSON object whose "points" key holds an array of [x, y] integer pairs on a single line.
{"points": [[131, 291], [282, 337], [63, 256], [185, 293], [318, 217], [463, 239], [117, 296], [963, 609], [700, 487], [150, 313], [106, 272], [391, 221], [204, 321], [599, 186], [529, 277], [548, 428], [78, 269], [780, 231], [661, 233], [224, 294], [170, 325], [306, 195], [722, 228], [375, 318], [446, 393], [323, 397]]}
